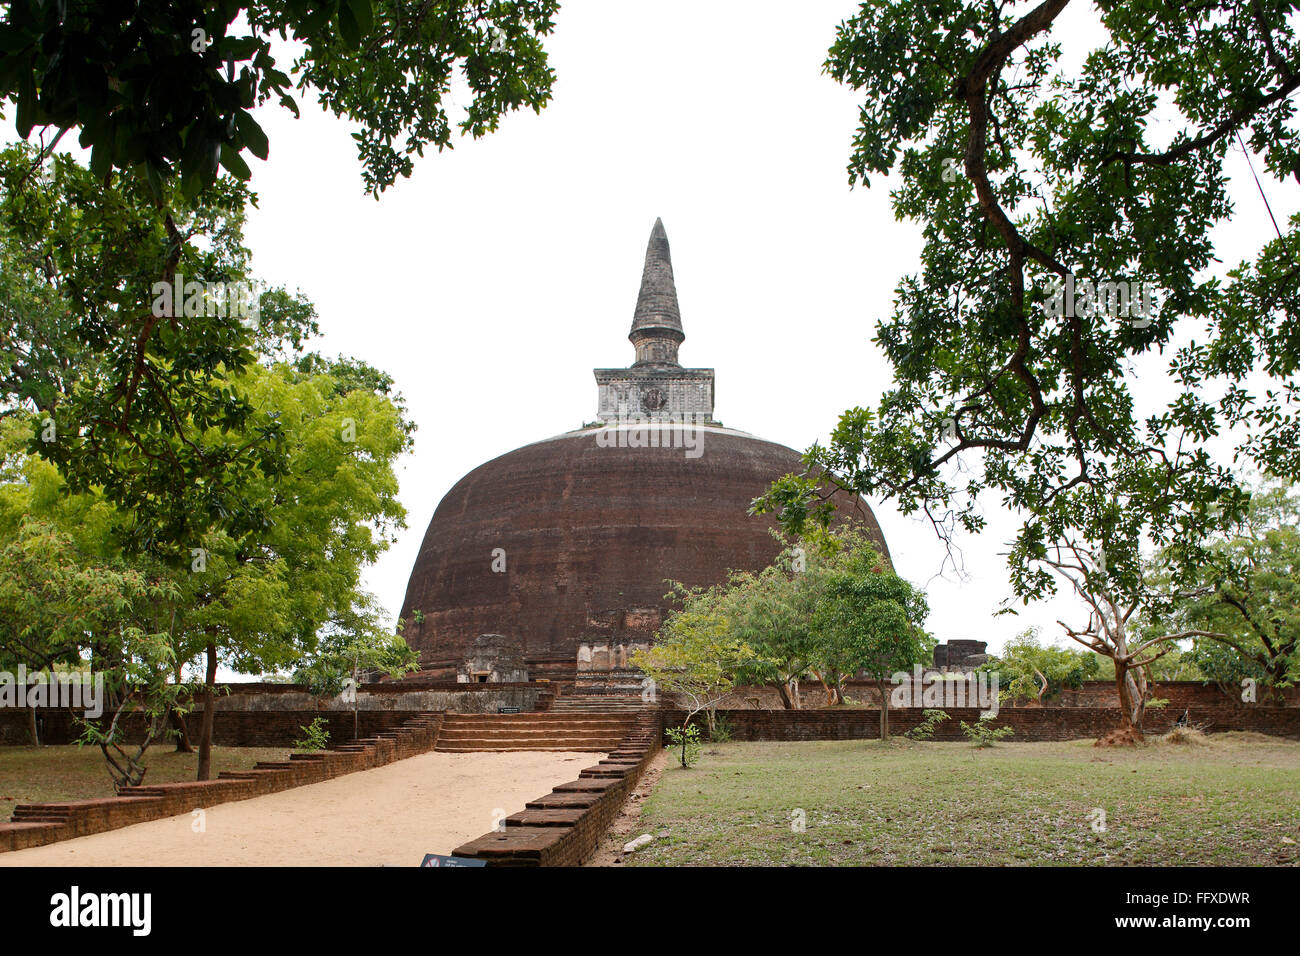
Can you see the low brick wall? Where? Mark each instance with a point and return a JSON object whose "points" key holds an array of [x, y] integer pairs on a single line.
{"points": [[272, 715], [564, 827], [230, 728], [1093, 693], [39, 824], [1029, 723]]}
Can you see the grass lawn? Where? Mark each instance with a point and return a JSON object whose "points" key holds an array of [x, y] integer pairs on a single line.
{"points": [[1229, 799], [28, 775]]}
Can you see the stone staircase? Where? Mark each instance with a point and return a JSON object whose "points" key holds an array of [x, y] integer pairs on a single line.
{"points": [[565, 826], [598, 704], [42, 813], [592, 732]]}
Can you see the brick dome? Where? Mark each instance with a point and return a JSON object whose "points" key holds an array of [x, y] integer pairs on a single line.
{"points": [[564, 545]]}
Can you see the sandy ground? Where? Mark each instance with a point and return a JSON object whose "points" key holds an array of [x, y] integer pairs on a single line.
{"points": [[390, 815]]}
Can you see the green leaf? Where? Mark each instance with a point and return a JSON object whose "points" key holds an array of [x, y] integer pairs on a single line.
{"points": [[101, 161], [252, 134], [349, 29], [362, 13], [153, 177], [25, 114]]}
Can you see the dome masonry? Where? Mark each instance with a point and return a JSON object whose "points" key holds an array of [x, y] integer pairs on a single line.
{"points": [[552, 561]]}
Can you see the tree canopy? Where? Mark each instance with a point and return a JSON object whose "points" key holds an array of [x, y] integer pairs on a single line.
{"points": [[1069, 219], [165, 88], [1245, 599]]}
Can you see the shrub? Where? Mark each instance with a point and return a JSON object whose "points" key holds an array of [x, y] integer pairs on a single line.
{"points": [[316, 735], [982, 733], [722, 731], [688, 738], [925, 730]]}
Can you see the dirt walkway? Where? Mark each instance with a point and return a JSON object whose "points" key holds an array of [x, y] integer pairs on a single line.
{"points": [[390, 815]]}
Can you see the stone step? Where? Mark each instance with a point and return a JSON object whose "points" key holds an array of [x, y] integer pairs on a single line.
{"points": [[586, 785], [592, 720], [558, 801], [503, 748], [556, 817], [518, 843], [29, 813], [526, 716], [528, 733], [550, 743], [594, 702]]}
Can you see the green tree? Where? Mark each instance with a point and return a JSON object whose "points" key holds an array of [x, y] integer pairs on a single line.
{"points": [[1121, 626], [165, 88], [68, 610], [772, 612], [1245, 598], [260, 602], [129, 397], [870, 621], [694, 657], [1030, 178], [1033, 671], [56, 601], [352, 645]]}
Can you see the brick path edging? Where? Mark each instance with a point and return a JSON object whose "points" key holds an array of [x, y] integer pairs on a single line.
{"points": [[564, 827]]}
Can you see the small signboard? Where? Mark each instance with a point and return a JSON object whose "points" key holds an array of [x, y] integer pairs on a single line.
{"points": [[434, 859], [507, 710]]}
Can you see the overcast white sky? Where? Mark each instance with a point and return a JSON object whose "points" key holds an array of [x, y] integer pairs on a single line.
{"points": [[508, 268]]}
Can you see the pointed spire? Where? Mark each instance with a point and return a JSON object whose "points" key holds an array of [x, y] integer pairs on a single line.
{"points": [[657, 322]]}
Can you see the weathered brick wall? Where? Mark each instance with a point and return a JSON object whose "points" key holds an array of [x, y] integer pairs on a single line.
{"points": [[1180, 694], [272, 715], [1029, 723], [254, 728]]}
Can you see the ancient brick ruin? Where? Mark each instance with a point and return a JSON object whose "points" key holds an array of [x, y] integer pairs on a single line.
{"points": [[561, 550]]}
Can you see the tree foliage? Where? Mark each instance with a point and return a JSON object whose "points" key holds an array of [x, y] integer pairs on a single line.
{"points": [[353, 644], [1031, 670], [135, 403], [869, 619], [1245, 598], [1027, 174], [828, 606], [166, 88], [695, 657]]}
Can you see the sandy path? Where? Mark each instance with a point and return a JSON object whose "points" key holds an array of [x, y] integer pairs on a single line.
{"points": [[394, 814]]}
